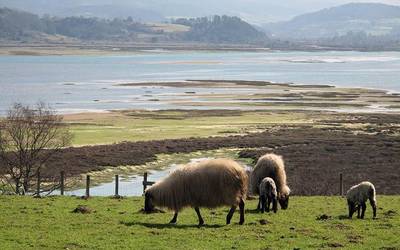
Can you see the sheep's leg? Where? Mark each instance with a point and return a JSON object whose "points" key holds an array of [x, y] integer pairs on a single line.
{"points": [[274, 205], [173, 221], [259, 205], [230, 214], [201, 221], [358, 211], [268, 203], [241, 207], [351, 210], [363, 206], [262, 201], [373, 205]]}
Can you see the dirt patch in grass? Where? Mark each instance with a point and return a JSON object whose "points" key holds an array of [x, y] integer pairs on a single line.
{"points": [[355, 239], [333, 245], [83, 210], [323, 217], [390, 213]]}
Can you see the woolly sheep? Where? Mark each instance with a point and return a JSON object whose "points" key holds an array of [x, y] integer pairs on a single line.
{"points": [[357, 196], [209, 183], [268, 194], [271, 165]]}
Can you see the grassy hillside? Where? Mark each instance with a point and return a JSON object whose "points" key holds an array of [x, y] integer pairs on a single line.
{"points": [[48, 223]]}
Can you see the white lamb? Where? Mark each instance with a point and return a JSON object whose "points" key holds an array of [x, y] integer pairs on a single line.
{"points": [[357, 196], [268, 195]]}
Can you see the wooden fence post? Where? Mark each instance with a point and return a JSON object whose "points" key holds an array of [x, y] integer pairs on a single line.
{"points": [[116, 185], [62, 182], [87, 186], [38, 184], [144, 182], [341, 184]]}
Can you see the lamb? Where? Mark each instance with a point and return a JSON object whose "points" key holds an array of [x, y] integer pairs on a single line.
{"points": [[268, 194], [209, 183], [271, 165], [357, 196]]}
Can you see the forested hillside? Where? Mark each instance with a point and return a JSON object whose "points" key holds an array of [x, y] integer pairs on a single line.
{"points": [[221, 29], [23, 26]]}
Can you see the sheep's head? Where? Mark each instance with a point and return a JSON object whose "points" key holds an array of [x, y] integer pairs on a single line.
{"points": [[284, 201], [148, 202], [283, 198]]}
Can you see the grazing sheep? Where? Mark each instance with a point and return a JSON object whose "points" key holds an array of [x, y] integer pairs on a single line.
{"points": [[357, 196], [271, 165], [209, 183], [268, 194]]}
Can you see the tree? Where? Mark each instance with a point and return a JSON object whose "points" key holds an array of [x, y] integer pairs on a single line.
{"points": [[29, 137]]}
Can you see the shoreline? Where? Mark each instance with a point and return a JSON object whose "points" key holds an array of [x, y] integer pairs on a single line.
{"points": [[94, 49]]}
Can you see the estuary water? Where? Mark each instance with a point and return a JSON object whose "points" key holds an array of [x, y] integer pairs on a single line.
{"points": [[89, 83]]}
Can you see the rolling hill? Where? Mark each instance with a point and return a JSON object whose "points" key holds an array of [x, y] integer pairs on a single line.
{"points": [[373, 19]]}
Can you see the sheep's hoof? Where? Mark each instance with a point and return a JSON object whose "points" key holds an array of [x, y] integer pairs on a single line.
{"points": [[241, 222], [201, 224]]}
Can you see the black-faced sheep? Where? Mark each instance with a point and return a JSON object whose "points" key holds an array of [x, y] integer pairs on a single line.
{"points": [[271, 165], [209, 183], [268, 195], [357, 196]]}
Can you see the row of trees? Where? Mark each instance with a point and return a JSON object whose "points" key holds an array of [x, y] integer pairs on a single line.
{"points": [[29, 137], [363, 40]]}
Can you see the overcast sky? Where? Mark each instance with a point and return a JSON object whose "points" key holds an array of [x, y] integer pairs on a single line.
{"points": [[255, 11]]}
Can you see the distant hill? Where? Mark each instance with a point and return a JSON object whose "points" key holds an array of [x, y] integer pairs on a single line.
{"points": [[373, 19], [221, 29], [22, 26]]}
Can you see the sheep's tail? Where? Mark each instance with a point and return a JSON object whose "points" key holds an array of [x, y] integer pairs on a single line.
{"points": [[372, 199], [372, 194]]}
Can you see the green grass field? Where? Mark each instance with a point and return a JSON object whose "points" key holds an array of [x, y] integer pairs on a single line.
{"points": [[157, 125], [48, 223]]}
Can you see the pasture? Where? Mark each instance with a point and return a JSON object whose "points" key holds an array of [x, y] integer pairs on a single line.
{"points": [[310, 222]]}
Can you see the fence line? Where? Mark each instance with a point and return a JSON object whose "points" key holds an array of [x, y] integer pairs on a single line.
{"points": [[145, 184]]}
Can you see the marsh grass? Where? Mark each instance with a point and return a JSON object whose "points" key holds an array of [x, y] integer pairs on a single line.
{"points": [[157, 125]]}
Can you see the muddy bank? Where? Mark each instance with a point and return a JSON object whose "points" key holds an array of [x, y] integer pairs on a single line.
{"points": [[315, 154]]}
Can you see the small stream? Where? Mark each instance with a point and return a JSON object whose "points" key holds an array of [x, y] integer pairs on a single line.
{"points": [[128, 185]]}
